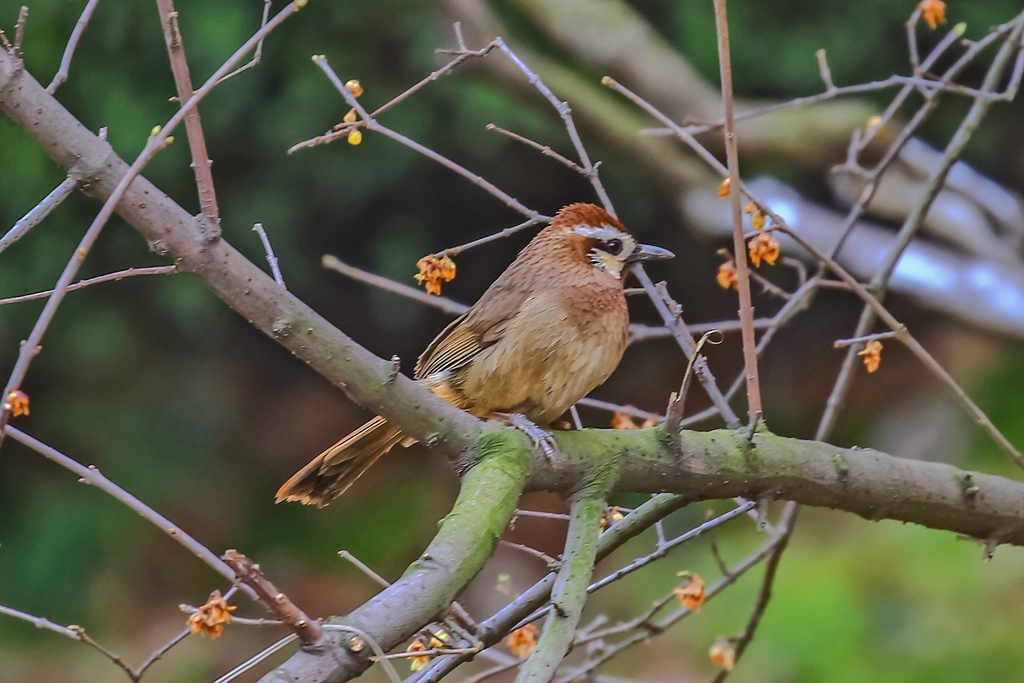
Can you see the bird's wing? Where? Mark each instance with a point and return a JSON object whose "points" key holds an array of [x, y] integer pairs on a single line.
{"points": [[478, 328]]}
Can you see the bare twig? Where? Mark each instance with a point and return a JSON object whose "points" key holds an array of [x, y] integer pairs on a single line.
{"points": [[258, 54], [81, 284], [39, 212], [193, 126], [157, 654], [646, 626], [371, 124], [440, 302], [746, 313], [543, 149], [616, 408], [361, 566], [69, 50], [19, 32], [501, 234], [271, 259], [542, 556], [670, 314], [910, 228], [342, 131], [843, 343], [308, 630]]}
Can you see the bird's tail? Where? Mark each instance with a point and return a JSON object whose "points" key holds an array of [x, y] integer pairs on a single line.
{"points": [[334, 470]]}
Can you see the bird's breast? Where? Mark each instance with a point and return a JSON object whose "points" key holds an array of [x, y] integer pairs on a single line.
{"points": [[561, 344]]}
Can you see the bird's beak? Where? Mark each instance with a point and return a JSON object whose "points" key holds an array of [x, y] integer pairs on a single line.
{"points": [[645, 252]]}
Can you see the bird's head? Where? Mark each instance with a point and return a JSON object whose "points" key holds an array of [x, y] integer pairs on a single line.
{"points": [[600, 240]]}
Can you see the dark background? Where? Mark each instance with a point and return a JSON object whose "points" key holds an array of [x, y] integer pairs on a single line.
{"points": [[179, 400]]}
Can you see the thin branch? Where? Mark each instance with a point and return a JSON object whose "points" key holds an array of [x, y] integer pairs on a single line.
{"points": [[912, 224], [360, 275], [533, 552], [843, 343], [666, 547], [271, 259], [193, 126], [632, 411], [69, 50], [589, 169], [540, 514], [341, 132], [74, 632], [543, 149], [501, 234], [81, 284], [19, 32], [361, 566], [258, 54], [158, 654], [646, 626], [754, 408], [39, 212], [308, 630], [669, 311], [92, 476], [371, 124]]}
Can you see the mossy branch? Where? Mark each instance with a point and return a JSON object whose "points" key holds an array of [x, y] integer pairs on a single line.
{"points": [[466, 538], [569, 591]]}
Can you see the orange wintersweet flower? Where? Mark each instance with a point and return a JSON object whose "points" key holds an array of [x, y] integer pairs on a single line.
{"points": [[727, 275], [872, 355], [724, 188], [692, 593], [354, 87], [622, 421], [433, 270], [722, 654], [757, 218], [522, 641], [765, 248], [417, 662], [17, 403], [933, 12], [211, 617]]}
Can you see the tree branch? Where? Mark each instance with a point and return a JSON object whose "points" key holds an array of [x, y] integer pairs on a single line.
{"points": [[722, 464], [569, 592]]}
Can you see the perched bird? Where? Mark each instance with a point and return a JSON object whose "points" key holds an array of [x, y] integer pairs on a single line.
{"points": [[551, 328]]}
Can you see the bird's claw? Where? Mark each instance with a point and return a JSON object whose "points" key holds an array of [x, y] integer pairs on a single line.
{"points": [[540, 438]]}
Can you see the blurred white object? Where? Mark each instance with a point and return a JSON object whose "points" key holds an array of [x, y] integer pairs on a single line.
{"points": [[972, 212], [979, 290]]}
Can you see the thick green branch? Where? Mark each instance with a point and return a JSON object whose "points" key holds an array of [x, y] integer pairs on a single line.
{"points": [[721, 464], [467, 537], [569, 591]]}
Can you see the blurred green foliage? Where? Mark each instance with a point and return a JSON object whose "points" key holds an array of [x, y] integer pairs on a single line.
{"points": [[177, 399]]}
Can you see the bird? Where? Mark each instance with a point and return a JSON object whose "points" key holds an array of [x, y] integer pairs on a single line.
{"points": [[549, 330]]}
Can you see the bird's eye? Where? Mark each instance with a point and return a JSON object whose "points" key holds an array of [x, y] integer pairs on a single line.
{"points": [[613, 247]]}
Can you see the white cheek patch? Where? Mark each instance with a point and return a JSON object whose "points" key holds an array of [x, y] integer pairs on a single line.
{"points": [[602, 260]]}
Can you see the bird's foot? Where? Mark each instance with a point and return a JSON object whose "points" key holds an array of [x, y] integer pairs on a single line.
{"points": [[541, 438]]}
